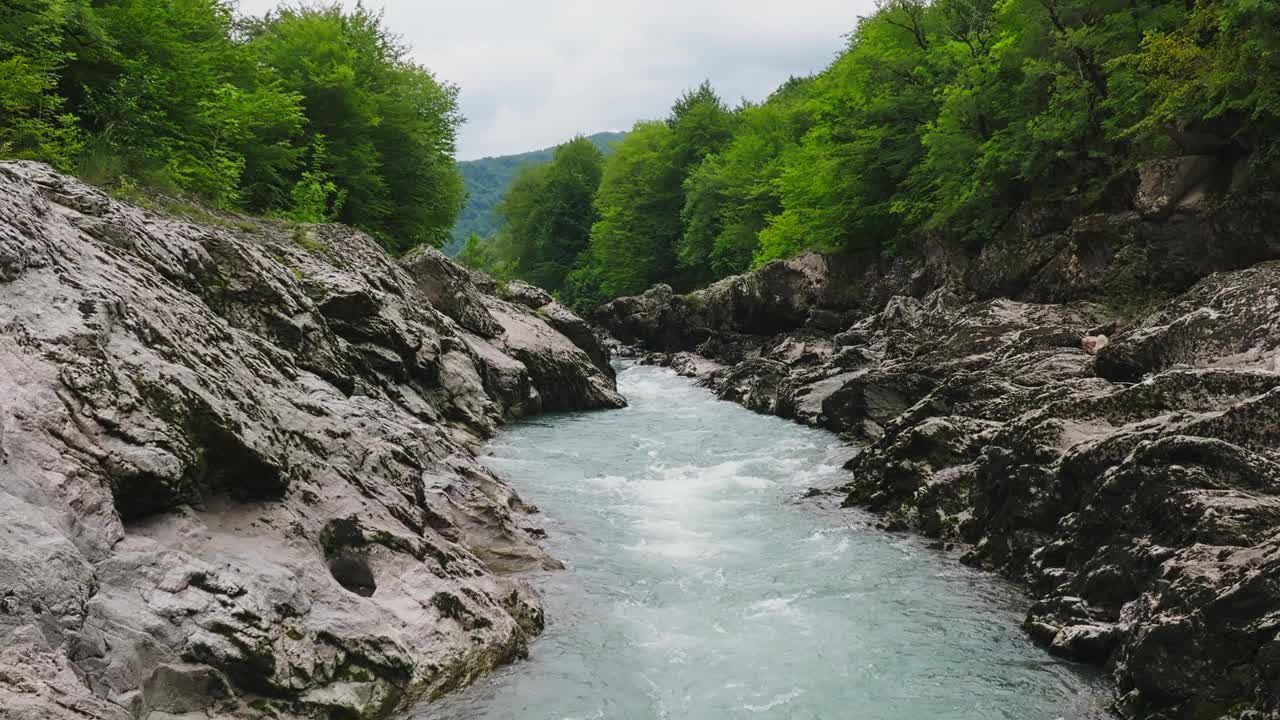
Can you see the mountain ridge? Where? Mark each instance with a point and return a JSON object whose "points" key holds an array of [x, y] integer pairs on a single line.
{"points": [[487, 180]]}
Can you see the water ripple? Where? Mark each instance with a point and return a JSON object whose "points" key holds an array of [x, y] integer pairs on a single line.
{"points": [[698, 588]]}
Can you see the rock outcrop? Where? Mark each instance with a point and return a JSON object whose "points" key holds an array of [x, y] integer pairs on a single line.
{"points": [[237, 464], [1123, 463]]}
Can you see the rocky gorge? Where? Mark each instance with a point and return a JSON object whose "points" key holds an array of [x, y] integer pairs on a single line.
{"points": [[1089, 404], [238, 473], [239, 470]]}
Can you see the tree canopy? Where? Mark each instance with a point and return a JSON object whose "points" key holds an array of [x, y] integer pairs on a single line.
{"points": [[547, 216], [487, 181], [310, 112], [940, 116]]}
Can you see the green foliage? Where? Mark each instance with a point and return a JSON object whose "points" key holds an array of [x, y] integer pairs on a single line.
{"points": [[943, 117], [730, 197], [487, 180], [583, 288], [1220, 66], [33, 119], [701, 125], [639, 205], [588, 245], [731, 194], [548, 213], [184, 96], [390, 124], [478, 254], [315, 198]]}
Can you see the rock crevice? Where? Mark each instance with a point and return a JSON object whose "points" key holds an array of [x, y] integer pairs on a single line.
{"points": [[1116, 452], [239, 474]]}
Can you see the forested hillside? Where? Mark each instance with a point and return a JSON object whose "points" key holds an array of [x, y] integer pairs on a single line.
{"points": [[940, 116], [310, 113], [487, 180]]}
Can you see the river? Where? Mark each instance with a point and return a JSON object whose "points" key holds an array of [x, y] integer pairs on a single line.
{"points": [[699, 585]]}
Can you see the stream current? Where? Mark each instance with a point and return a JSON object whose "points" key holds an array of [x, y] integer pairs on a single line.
{"points": [[699, 586]]}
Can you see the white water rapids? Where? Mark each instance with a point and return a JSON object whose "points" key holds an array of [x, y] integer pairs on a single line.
{"points": [[699, 586]]}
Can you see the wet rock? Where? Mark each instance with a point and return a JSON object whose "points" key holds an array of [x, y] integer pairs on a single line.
{"points": [[237, 467], [779, 297], [1090, 643], [1124, 467], [449, 289], [694, 366], [656, 319], [580, 333], [566, 378]]}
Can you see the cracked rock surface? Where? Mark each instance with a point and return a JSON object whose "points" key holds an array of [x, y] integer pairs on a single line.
{"points": [[1132, 485], [237, 464]]}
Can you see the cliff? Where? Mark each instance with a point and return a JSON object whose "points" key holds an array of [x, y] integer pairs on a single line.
{"points": [[237, 463], [1089, 404]]}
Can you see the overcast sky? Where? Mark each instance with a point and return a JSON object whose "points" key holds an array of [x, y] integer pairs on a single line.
{"points": [[533, 73]]}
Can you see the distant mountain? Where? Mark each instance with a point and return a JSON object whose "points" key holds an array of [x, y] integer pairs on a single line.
{"points": [[487, 181]]}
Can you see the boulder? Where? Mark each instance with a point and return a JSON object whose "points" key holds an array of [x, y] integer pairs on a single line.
{"points": [[565, 377], [238, 472], [450, 289], [522, 293], [1226, 320], [580, 332], [1166, 184], [1121, 462]]}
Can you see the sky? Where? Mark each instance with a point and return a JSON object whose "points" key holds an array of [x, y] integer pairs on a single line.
{"points": [[534, 73]]}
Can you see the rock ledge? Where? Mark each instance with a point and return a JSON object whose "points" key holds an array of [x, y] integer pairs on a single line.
{"points": [[237, 464]]}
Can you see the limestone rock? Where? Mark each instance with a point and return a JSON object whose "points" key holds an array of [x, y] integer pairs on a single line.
{"points": [[1166, 184], [522, 293], [1130, 479], [238, 473], [1226, 320]]}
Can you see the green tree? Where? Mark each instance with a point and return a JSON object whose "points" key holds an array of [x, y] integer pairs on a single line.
{"points": [[1219, 68], [730, 196], [639, 204], [391, 125], [701, 125], [315, 198], [840, 185], [35, 123], [548, 213], [479, 254], [165, 88]]}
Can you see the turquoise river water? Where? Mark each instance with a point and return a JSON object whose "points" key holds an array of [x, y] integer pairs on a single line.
{"points": [[698, 586]]}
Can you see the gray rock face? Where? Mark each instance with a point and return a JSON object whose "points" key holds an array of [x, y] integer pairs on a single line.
{"points": [[1166, 184], [1132, 485], [522, 293], [237, 469], [1226, 320]]}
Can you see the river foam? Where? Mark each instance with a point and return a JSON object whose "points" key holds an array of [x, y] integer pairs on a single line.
{"points": [[699, 586]]}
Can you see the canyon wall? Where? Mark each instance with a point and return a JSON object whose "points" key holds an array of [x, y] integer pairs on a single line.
{"points": [[1088, 404]]}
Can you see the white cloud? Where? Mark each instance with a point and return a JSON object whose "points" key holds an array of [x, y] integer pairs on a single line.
{"points": [[535, 72]]}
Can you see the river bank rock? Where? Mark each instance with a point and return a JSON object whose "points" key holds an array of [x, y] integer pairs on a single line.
{"points": [[237, 464], [1132, 483]]}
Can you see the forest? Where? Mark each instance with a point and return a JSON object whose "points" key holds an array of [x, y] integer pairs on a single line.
{"points": [[487, 180], [939, 116], [311, 113]]}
